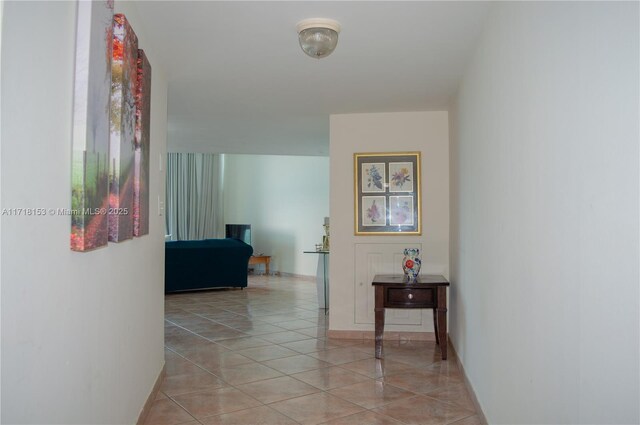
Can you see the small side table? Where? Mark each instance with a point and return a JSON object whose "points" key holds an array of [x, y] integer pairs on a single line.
{"points": [[428, 291], [261, 259], [322, 279]]}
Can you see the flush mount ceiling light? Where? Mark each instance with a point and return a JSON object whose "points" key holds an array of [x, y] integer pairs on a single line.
{"points": [[318, 36]]}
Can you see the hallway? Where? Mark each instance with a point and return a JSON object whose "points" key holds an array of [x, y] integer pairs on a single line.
{"points": [[260, 356]]}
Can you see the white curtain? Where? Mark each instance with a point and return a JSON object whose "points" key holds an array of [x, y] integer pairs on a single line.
{"points": [[194, 196]]}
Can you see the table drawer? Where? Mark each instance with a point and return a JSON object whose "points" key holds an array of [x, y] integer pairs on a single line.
{"points": [[407, 297]]}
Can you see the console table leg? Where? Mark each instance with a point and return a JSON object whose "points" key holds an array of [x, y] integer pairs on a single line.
{"points": [[379, 312], [379, 331], [442, 321], [435, 326]]}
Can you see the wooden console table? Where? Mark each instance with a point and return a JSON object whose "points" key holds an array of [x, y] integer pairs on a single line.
{"points": [[261, 259], [428, 291]]}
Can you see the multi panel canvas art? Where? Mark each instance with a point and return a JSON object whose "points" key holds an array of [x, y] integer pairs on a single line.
{"points": [[124, 71], [141, 155], [90, 146], [111, 140]]}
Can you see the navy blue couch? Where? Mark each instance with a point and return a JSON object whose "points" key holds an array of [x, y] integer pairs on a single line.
{"points": [[210, 263]]}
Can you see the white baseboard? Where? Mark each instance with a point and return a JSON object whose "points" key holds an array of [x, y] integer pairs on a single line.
{"points": [[152, 397], [472, 393]]}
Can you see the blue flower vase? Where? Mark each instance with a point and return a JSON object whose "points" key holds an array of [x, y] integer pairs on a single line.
{"points": [[411, 263]]}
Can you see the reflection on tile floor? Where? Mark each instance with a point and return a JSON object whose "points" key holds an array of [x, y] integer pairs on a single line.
{"points": [[261, 356]]}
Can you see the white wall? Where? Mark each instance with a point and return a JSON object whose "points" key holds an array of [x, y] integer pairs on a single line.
{"points": [[544, 201], [285, 199], [386, 132], [82, 333]]}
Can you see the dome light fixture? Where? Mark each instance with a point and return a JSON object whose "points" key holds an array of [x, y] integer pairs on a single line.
{"points": [[318, 36]]}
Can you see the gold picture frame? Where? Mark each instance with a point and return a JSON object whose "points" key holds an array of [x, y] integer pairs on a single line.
{"points": [[387, 193]]}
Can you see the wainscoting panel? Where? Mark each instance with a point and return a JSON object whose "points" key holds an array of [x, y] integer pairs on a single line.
{"points": [[372, 259]]}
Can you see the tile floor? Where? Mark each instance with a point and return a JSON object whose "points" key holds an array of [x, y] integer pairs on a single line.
{"points": [[261, 356]]}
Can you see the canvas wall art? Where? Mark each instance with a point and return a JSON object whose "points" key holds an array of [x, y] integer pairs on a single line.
{"points": [[90, 134], [142, 146], [387, 193], [123, 122]]}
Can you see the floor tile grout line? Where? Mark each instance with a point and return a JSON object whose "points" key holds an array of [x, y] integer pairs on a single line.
{"points": [[328, 391], [222, 339], [461, 419], [317, 333], [235, 386], [447, 402], [378, 379], [181, 407]]}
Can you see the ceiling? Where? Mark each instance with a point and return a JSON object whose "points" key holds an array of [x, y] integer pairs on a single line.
{"points": [[239, 82]]}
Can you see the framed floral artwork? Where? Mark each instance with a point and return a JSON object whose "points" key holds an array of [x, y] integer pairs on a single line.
{"points": [[374, 210], [373, 177], [387, 193], [401, 210], [401, 177]]}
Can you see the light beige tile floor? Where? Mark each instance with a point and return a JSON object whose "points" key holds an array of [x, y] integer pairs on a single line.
{"points": [[260, 356]]}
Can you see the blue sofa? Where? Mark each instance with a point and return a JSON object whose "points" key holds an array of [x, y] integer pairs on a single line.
{"points": [[205, 264]]}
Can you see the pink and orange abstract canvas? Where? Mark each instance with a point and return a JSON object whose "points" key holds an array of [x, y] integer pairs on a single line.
{"points": [[141, 160], [90, 145], [124, 71]]}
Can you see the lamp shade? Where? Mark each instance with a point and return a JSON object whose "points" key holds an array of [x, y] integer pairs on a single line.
{"points": [[318, 37]]}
